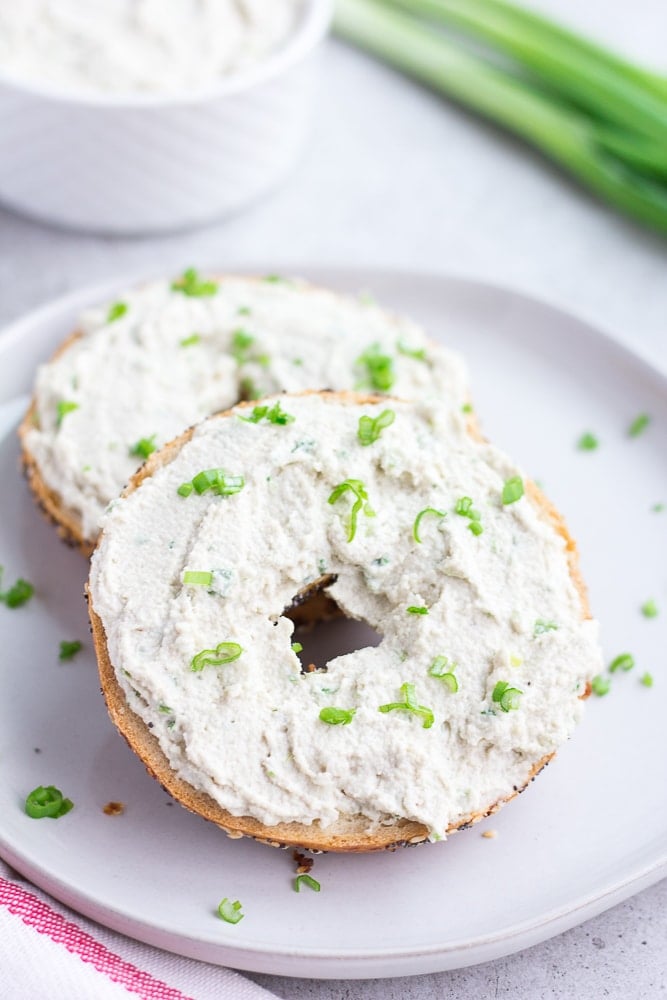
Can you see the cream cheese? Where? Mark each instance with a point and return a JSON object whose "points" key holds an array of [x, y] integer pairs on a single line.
{"points": [[171, 359], [501, 606], [139, 46]]}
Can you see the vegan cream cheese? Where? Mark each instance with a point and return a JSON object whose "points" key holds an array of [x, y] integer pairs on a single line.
{"points": [[429, 536], [160, 358], [140, 46]]}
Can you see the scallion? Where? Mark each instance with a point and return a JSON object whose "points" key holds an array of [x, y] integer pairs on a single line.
{"points": [[224, 652], [69, 649], [192, 285], [422, 513], [64, 407], [358, 491], [370, 428], [273, 414], [337, 716], [409, 704], [197, 578], [378, 367], [47, 802], [230, 912], [639, 425], [623, 662], [308, 880], [144, 447], [506, 696], [116, 310], [513, 490]]}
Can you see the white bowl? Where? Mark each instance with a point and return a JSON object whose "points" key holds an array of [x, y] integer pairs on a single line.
{"points": [[139, 164]]}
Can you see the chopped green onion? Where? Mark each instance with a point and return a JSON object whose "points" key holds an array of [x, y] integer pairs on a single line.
{"points": [[515, 661], [69, 649], [418, 353], [242, 341], [275, 279], [190, 341], [658, 508], [410, 705], [639, 425], [600, 685], [144, 447], [337, 716], [540, 627], [420, 515], [18, 594], [244, 311], [165, 709], [464, 508], [507, 697], [63, 408], [185, 489], [587, 442], [191, 284], [444, 671], [623, 662], [379, 368], [230, 912], [306, 880], [358, 490], [467, 408], [116, 310], [649, 609], [297, 647], [198, 578], [647, 680], [217, 480], [513, 490], [47, 802], [370, 428], [224, 652], [475, 527], [274, 414], [415, 609]]}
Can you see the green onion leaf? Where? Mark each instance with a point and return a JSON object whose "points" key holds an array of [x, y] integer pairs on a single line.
{"points": [[18, 594], [418, 353], [467, 408], [191, 284], [464, 508], [47, 802], [443, 669], [197, 578], [297, 647], [190, 341], [116, 310], [337, 716], [242, 341], [274, 414], [658, 508], [475, 527], [224, 652], [69, 649], [600, 685], [647, 680], [513, 490], [587, 442], [306, 880], [217, 480], [144, 447], [379, 368], [185, 489], [623, 662], [230, 912], [507, 697], [63, 408], [415, 609], [358, 490], [540, 627], [370, 428], [639, 425], [649, 609], [410, 705], [420, 515]]}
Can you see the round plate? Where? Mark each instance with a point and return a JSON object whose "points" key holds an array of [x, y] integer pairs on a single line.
{"points": [[589, 832]]}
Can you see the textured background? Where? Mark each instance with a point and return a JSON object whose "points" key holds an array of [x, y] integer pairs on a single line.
{"points": [[393, 176]]}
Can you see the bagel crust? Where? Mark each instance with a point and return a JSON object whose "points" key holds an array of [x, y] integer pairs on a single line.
{"points": [[242, 743], [162, 357]]}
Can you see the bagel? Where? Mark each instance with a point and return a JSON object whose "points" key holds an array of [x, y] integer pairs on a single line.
{"points": [[142, 369], [487, 642]]}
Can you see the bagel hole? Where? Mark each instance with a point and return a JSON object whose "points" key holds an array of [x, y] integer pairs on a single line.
{"points": [[325, 632]]}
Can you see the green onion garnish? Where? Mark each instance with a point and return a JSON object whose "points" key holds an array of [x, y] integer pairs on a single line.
{"points": [[467, 408], [410, 705], [217, 480], [63, 408], [658, 508], [337, 716], [144, 447], [69, 649], [47, 802], [244, 311], [507, 697], [306, 880], [19, 593], [370, 428], [116, 310], [647, 680], [297, 647], [464, 508], [418, 353], [198, 578], [379, 368], [230, 912], [242, 341], [420, 515], [639, 425], [165, 709], [444, 671], [540, 627], [358, 490], [623, 662], [274, 414], [191, 284], [275, 279], [416, 609], [649, 609], [600, 685], [513, 490], [190, 341], [224, 652], [587, 442]]}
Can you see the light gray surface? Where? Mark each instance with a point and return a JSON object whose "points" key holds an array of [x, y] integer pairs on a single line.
{"points": [[395, 177]]}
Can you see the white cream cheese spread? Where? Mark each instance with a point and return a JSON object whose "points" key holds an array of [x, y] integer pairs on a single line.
{"points": [[161, 358], [149, 46], [484, 651]]}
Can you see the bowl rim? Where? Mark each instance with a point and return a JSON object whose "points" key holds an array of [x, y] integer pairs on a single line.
{"points": [[313, 25]]}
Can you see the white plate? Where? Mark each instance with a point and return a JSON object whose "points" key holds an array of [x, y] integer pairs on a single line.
{"points": [[591, 831]]}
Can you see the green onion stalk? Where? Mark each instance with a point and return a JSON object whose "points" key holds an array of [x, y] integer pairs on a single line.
{"points": [[598, 116]]}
